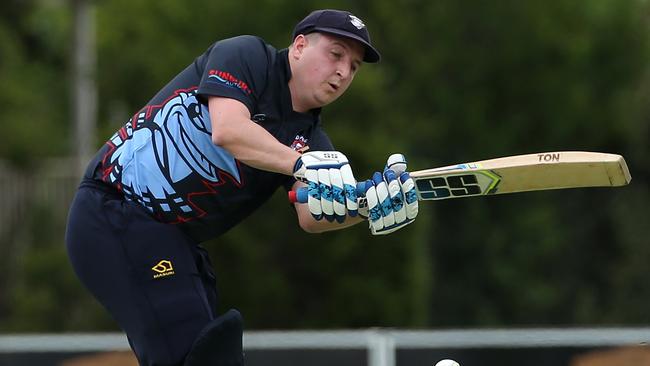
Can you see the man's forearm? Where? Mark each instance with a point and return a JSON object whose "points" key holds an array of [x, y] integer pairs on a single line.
{"points": [[255, 147], [247, 141]]}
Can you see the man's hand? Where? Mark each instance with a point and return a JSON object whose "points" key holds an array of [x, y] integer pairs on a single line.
{"points": [[390, 199], [331, 184]]}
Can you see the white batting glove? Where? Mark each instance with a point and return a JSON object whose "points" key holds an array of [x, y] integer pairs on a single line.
{"points": [[331, 184], [390, 198]]}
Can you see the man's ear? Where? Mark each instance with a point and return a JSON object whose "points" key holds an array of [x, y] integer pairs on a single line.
{"points": [[299, 44]]}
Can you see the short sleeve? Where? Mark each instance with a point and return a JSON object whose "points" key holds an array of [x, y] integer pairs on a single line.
{"points": [[236, 68]]}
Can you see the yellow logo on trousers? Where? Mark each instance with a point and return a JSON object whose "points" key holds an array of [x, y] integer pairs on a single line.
{"points": [[163, 268]]}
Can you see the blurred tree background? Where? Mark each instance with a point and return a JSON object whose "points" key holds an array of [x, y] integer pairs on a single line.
{"points": [[459, 81]]}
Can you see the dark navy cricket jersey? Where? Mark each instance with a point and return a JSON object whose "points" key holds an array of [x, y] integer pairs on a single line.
{"points": [[164, 157]]}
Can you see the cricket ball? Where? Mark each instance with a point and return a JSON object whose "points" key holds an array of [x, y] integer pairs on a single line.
{"points": [[447, 362]]}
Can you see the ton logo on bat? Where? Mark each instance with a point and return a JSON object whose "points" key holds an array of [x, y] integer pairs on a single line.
{"points": [[548, 158]]}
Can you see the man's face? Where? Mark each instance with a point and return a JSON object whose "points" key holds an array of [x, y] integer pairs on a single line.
{"points": [[322, 69]]}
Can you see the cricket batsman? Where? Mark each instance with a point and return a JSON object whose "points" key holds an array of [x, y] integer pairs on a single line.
{"points": [[241, 121]]}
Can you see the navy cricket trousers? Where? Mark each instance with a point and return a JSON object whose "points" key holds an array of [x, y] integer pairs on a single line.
{"points": [[155, 281]]}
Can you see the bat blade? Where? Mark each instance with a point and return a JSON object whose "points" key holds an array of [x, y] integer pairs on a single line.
{"points": [[521, 173]]}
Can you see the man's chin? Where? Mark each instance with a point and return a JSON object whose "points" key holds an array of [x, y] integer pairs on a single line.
{"points": [[322, 102]]}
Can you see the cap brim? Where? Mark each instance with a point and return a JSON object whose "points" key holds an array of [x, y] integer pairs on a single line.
{"points": [[371, 54]]}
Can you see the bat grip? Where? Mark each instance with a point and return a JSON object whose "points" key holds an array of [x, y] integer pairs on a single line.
{"points": [[301, 195]]}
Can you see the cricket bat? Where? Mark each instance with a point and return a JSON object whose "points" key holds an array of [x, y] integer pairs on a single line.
{"points": [[521, 173]]}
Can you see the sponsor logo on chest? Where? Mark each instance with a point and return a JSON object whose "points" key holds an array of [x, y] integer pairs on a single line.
{"points": [[299, 144]]}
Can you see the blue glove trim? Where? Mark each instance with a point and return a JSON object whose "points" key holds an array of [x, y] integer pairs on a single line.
{"points": [[386, 207], [375, 213], [325, 192], [313, 191], [338, 195], [411, 196]]}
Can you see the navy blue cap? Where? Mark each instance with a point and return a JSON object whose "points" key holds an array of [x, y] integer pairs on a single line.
{"points": [[341, 23]]}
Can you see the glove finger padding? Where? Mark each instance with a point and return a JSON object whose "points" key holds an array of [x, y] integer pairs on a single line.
{"points": [[374, 211], [314, 198], [383, 197], [338, 195], [393, 203], [410, 196], [350, 189], [396, 196], [382, 218], [327, 174], [325, 188]]}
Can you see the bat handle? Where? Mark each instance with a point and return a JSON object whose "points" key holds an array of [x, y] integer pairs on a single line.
{"points": [[301, 195]]}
